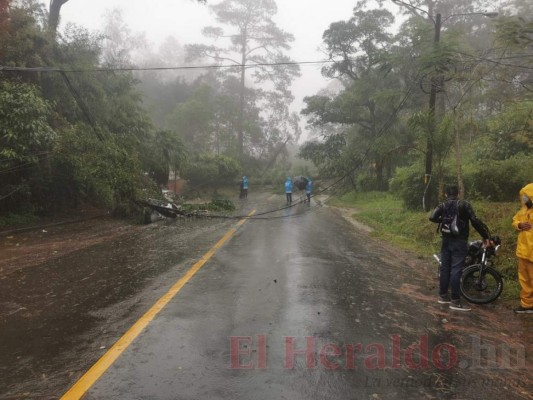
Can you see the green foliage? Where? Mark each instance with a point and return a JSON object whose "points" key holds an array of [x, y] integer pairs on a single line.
{"points": [[49, 158], [26, 138], [222, 205], [366, 182], [25, 42], [53, 159], [24, 128], [194, 119], [367, 107], [500, 180], [214, 205], [360, 42], [408, 184], [273, 176], [510, 132], [210, 168], [103, 173], [325, 155], [163, 151], [12, 220], [515, 32]]}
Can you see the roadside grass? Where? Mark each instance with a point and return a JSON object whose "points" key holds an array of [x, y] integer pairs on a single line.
{"points": [[16, 220], [413, 231], [214, 205]]}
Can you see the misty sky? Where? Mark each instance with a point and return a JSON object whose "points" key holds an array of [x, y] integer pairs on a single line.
{"points": [[184, 19]]}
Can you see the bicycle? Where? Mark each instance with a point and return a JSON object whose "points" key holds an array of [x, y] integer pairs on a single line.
{"points": [[480, 283]]}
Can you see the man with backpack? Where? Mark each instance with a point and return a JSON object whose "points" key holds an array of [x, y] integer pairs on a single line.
{"points": [[453, 217]]}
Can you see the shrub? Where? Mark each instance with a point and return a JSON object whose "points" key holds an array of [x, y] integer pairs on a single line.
{"points": [[367, 183], [500, 180], [214, 205], [408, 184], [211, 168], [104, 174]]}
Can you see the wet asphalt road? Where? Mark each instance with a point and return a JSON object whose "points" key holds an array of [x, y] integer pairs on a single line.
{"points": [[302, 306], [304, 279]]}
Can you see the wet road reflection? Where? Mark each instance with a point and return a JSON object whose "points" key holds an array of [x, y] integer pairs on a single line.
{"points": [[297, 308], [297, 305]]}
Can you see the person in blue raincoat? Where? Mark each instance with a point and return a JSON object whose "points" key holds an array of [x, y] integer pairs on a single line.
{"points": [[244, 186], [308, 190], [288, 190]]}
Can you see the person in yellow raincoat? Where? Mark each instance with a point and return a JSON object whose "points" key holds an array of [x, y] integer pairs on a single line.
{"points": [[523, 222]]}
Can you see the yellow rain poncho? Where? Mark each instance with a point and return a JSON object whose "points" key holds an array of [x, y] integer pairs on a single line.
{"points": [[524, 248]]}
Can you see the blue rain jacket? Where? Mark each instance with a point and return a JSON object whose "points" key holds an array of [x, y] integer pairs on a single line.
{"points": [[288, 186]]}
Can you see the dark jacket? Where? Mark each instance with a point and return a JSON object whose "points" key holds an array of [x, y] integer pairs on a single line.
{"points": [[465, 214]]}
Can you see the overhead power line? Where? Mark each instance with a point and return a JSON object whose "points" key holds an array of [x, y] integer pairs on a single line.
{"points": [[185, 67], [496, 60]]}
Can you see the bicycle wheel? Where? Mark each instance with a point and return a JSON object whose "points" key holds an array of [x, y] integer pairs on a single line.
{"points": [[481, 289]]}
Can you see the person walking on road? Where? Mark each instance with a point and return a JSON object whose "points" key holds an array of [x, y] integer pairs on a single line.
{"points": [[453, 217], [308, 190], [288, 190], [244, 186], [523, 222]]}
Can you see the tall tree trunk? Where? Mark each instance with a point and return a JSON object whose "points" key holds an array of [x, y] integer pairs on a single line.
{"points": [[53, 17], [4, 21], [459, 161], [241, 113], [241, 99], [435, 86]]}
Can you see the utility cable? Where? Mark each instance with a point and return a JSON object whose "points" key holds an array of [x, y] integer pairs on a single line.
{"points": [[176, 68]]}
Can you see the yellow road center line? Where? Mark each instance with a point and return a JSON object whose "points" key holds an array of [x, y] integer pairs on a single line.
{"points": [[97, 370]]}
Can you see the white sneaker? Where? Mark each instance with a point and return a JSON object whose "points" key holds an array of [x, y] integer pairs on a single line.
{"points": [[458, 306]]}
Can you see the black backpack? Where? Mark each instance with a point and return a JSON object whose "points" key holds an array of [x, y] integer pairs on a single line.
{"points": [[451, 224]]}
